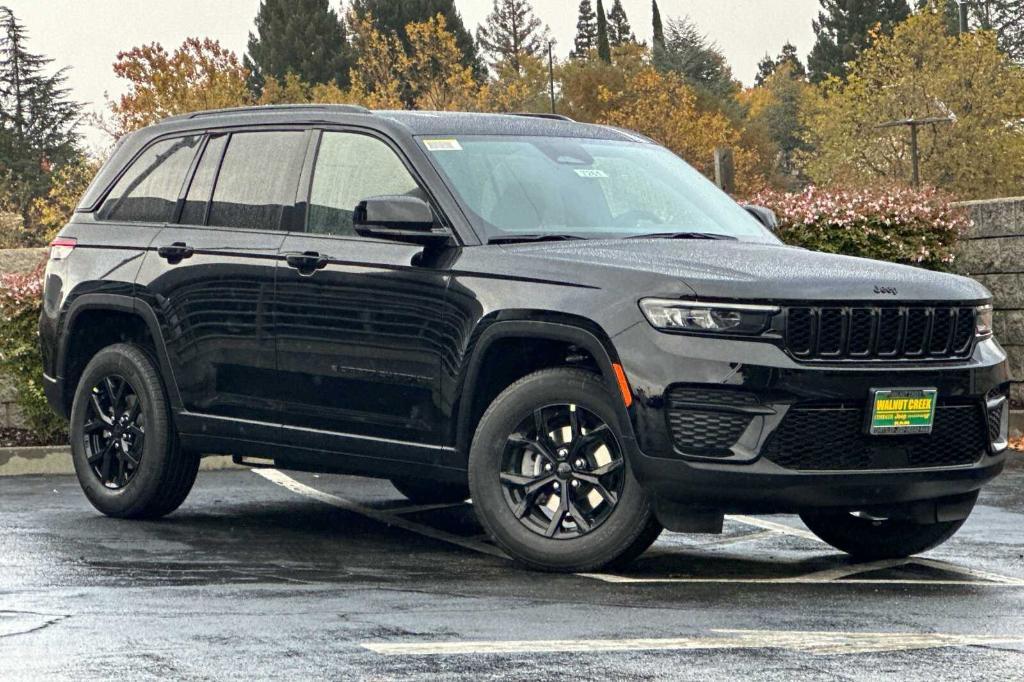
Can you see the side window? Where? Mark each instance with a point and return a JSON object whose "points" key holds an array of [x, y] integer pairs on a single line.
{"points": [[148, 191], [258, 179], [349, 168], [201, 189]]}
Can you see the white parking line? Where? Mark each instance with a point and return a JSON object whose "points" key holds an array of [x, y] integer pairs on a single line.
{"points": [[819, 643], [772, 525], [388, 518]]}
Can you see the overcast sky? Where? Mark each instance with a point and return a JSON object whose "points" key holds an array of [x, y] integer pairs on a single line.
{"points": [[87, 34]]}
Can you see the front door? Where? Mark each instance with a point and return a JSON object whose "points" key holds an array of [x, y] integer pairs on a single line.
{"points": [[360, 322], [210, 278]]}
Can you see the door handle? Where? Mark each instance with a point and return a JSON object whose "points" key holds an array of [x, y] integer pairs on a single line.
{"points": [[307, 262], [176, 252]]}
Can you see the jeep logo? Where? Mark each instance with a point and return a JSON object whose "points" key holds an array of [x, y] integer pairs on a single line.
{"points": [[885, 290]]}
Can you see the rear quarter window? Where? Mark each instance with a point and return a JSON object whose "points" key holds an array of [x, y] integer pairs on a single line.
{"points": [[148, 191]]}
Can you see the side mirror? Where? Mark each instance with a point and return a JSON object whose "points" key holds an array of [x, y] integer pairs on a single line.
{"points": [[764, 215], [398, 217]]}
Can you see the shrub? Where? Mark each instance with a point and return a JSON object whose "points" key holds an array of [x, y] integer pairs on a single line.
{"points": [[912, 226], [20, 359]]}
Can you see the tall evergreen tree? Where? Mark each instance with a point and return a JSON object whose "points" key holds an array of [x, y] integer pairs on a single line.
{"points": [[1005, 17], [304, 37], [658, 30], [843, 30], [604, 49], [389, 15], [512, 30], [767, 66], [586, 30], [619, 30], [38, 121]]}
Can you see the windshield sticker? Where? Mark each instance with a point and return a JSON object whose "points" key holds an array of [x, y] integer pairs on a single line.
{"points": [[442, 145], [590, 173]]}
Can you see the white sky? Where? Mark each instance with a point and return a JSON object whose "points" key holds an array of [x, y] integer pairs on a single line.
{"points": [[87, 34]]}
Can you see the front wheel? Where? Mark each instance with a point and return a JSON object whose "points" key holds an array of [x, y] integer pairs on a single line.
{"points": [[550, 480], [869, 537]]}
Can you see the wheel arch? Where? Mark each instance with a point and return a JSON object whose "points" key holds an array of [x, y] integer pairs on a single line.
{"points": [[567, 330], [71, 358]]}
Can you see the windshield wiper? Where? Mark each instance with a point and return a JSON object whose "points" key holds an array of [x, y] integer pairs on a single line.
{"points": [[683, 235], [533, 238]]}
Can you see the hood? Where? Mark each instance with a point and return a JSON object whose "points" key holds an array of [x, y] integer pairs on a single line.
{"points": [[735, 270]]}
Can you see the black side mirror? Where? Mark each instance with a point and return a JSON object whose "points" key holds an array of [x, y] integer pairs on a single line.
{"points": [[764, 215], [398, 217]]}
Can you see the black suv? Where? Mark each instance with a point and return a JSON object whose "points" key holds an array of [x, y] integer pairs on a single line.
{"points": [[564, 321]]}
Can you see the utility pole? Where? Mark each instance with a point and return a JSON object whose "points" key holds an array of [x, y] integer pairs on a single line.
{"points": [[914, 124], [963, 7], [551, 77]]}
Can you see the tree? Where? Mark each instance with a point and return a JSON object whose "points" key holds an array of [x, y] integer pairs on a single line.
{"points": [[619, 30], [845, 28], [581, 79], [390, 16], [437, 79], [38, 121], [196, 76], [377, 75], [586, 30], [922, 72], [512, 30], [665, 108], [775, 109], [1005, 17], [52, 211], [700, 62], [767, 66], [304, 37], [604, 49], [658, 31]]}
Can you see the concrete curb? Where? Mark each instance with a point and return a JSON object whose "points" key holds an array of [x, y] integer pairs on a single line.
{"points": [[57, 460]]}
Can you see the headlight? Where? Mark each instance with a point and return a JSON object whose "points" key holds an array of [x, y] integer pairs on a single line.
{"points": [[983, 321], [713, 318]]}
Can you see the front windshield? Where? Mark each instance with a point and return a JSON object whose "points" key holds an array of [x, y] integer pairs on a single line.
{"points": [[531, 187]]}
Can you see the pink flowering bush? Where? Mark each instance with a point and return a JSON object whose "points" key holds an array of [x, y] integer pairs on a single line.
{"points": [[903, 225], [20, 359]]}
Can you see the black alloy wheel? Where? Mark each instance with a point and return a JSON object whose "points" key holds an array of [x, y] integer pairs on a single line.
{"points": [[114, 431], [562, 471]]}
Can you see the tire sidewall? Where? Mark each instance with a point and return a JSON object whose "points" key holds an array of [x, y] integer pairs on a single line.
{"points": [[138, 369], [631, 515]]}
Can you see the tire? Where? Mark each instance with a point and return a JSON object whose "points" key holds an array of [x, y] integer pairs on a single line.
{"points": [[163, 474], [867, 538], [617, 533], [431, 492]]}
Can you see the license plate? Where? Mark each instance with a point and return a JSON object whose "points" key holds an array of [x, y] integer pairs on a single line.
{"points": [[902, 411]]}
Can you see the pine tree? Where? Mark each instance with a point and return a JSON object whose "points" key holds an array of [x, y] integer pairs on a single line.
{"points": [[586, 30], [1006, 18], [767, 66], [38, 122], [391, 16], [604, 49], [658, 30], [619, 30], [304, 37], [512, 31], [843, 30]]}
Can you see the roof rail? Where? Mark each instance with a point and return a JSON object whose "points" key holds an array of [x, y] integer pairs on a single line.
{"points": [[553, 117], [344, 108]]}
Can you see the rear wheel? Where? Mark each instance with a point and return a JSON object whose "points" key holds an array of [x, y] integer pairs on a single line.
{"points": [[123, 443], [431, 492], [550, 479], [869, 537]]}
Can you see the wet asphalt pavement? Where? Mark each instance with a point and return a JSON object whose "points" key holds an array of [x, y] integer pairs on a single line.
{"points": [[275, 574]]}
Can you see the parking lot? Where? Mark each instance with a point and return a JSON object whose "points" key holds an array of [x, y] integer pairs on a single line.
{"points": [[266, 573]]}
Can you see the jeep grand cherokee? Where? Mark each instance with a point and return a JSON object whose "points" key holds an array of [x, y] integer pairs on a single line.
{"points": [[564, 321]]}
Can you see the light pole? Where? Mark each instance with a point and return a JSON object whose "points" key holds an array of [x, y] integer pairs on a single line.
{"points": [[551, 76]]}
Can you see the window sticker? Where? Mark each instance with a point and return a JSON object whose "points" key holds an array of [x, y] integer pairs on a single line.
{"points": [[590, 173], [449, 145]]}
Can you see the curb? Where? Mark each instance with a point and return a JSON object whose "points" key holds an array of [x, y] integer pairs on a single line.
{"points": [[56, 460]]}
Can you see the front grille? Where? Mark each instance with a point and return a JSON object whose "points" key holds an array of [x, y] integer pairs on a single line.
{"points": [[707, 422], [877, 332], [827, 438]]}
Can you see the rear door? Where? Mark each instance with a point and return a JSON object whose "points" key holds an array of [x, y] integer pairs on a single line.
{"points": [[360, 337], [210, 277]]}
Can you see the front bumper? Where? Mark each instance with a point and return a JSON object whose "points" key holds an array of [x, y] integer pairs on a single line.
{"points": [[715, 447]]}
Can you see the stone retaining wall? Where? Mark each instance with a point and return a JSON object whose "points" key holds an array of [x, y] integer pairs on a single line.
{"points": [[993, 254]]}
